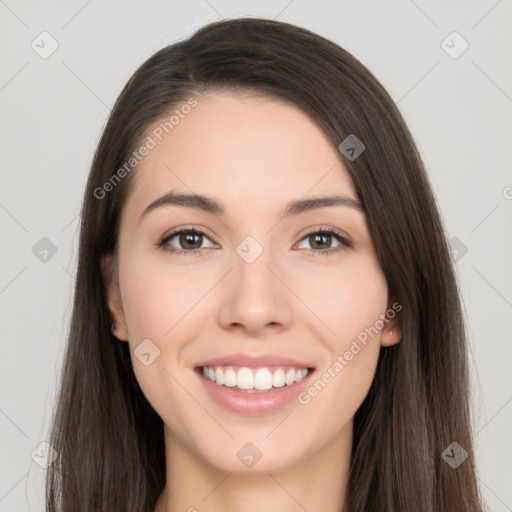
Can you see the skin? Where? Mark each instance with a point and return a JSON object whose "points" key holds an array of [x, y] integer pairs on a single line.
{"points": [[253, 154]]}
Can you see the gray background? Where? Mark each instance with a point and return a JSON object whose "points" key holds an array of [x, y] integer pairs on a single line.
{"points": [[53, 110]]}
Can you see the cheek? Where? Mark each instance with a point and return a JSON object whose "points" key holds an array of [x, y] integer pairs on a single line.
{"points": [[155, 302], [350, 302], [346, 300], [156, 297]]}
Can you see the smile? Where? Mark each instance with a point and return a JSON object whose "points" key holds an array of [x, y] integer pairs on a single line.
{"points": [[254, 380]]}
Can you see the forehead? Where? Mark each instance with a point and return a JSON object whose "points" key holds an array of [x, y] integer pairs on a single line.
{"points": [[246, 149]]}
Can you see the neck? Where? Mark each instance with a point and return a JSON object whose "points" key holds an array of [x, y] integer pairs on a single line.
{"points": [[317, 482]]}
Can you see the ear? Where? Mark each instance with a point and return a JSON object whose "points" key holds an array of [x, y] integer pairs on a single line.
{"points": [[392, 330], [113, 297]]}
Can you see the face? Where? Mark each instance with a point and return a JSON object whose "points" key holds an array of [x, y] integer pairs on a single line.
{"points": [[273, 307]]}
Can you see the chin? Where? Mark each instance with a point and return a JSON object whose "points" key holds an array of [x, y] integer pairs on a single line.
{"points": [[242, 455]]}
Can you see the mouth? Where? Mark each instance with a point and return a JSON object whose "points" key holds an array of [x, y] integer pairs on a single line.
{"points": [[254, 379], [254, 385]]}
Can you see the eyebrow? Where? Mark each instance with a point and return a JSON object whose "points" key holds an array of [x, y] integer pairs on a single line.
{"points": [[210, 205]]}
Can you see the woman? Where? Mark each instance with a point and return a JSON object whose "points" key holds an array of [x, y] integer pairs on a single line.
{"points": [[307, 350]]}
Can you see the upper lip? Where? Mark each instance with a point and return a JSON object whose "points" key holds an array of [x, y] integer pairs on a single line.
{"points": [[249, 361]]}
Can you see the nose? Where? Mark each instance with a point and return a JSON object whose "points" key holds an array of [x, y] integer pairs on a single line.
{"points": [[255, 298]]}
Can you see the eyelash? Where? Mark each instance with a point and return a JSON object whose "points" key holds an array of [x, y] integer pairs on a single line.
{"points": [[345, 243]]}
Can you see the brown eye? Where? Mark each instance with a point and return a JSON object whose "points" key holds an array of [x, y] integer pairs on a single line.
{"points": [[188, 239], [185, 241], [321, 241]]}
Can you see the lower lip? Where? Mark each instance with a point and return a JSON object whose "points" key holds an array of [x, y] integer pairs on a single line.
{"points": [[254, 404]]}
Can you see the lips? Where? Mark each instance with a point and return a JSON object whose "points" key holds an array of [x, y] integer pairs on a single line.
{"points": [[261, 361], [254, 385]]}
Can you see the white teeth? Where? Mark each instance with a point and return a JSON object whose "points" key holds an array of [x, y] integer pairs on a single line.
{"points": [[263, 379], [278, 378], [230, 378], [252, 379], [219, 376], [290, 377], [245, 379]]}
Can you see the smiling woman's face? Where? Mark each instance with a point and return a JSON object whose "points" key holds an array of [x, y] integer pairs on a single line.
{"points": [[266, 296]]}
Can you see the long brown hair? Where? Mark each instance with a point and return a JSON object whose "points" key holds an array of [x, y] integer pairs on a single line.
{"points": [[109, 440]]}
